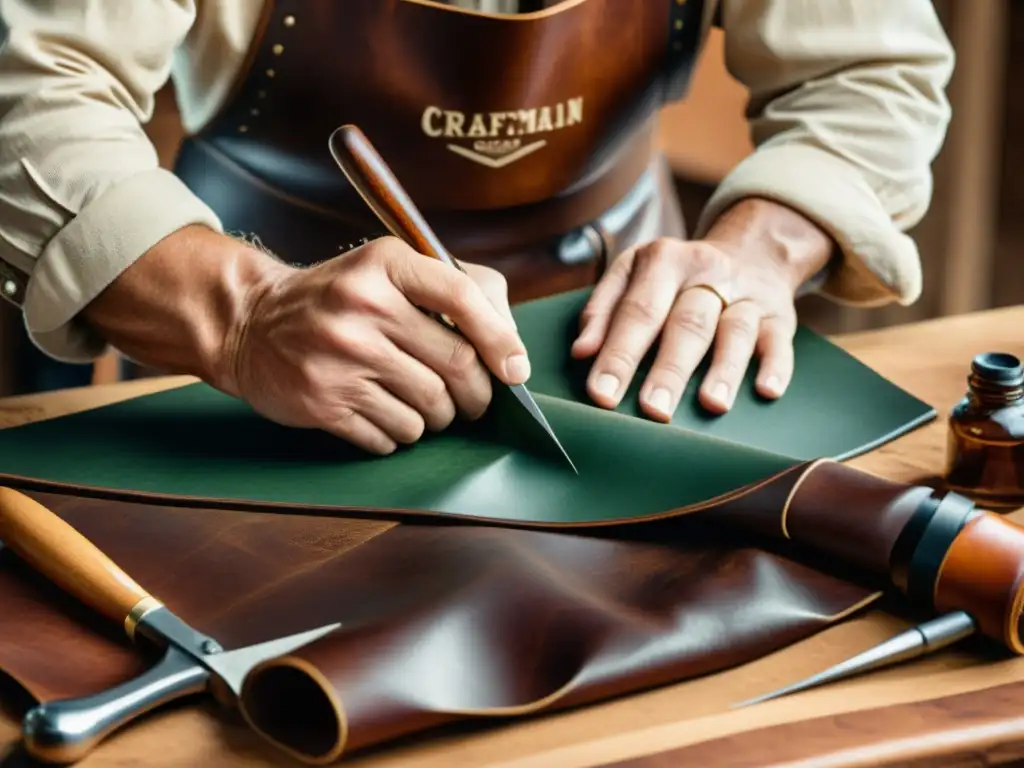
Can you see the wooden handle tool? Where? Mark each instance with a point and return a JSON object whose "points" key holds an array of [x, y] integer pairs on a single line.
{"points": [[66, 730], [377, 185], [71, 561]]}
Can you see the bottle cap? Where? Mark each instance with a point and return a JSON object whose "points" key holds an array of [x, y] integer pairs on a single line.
{"points": [[999, 368]]}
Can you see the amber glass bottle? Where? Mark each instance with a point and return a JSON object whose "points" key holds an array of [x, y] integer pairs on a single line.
{"points": [[985, 459]]}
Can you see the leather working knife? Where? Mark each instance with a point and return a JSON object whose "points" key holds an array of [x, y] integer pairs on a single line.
{"points": [[380, 189], [65, 731]]}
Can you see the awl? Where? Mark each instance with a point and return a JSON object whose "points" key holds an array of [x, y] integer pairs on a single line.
{"points": [[915, 642], [65, 731], [380, 189]]}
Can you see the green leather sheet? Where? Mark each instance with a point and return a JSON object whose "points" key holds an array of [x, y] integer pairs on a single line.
{"points": [[197, 443]]}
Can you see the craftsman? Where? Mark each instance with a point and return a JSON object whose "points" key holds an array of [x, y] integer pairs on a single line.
{"points": [[523, 132]]}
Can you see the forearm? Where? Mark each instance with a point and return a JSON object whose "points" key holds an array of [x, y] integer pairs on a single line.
{"points": [[767, 229], [83, 194], [847, 111], [180, 307]]}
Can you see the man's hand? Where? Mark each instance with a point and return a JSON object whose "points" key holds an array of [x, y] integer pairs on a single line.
{"points": [[341, 347], [732, 292]]}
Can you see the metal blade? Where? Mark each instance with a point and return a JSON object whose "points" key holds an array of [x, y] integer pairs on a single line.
{"points": [[523, 396], [66, 730], [232, 666], [919, 641]]}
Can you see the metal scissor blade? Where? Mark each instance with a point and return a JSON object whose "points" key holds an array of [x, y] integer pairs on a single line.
{"points": [[523, 396], [915, 642], [233, 666], [65, 731]]}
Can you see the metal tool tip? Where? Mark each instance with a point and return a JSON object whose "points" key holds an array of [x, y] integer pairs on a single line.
{"points": [[756, 700]]}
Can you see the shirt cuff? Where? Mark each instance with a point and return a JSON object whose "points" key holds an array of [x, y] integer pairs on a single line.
{"points": [[878, 263], [94, 248]]}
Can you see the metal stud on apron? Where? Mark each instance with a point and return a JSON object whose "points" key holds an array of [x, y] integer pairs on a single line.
{"points": [[522, 129]]}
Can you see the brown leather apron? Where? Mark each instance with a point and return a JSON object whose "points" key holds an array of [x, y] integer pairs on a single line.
{"points": [[527, 140]]}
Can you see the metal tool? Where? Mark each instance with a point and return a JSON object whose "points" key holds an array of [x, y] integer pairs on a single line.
{"points": [[378, 186], [65, 731], [921, 640]]}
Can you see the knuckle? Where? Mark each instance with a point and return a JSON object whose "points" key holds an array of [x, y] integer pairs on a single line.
{"points": [[307, 377], [342, 418], [462, 292], [435, 393], [475, 396], [659, 249], [350, 339], [364, 293], [388, 248], [705, 257], [410, 429], [476, 405], [729, 368], [343, 287], [437, 404], [637, 311], [619, 360], [436, 422], [462, 359], [670, 373], [355, 395], [694, 323], [741, 327], [490, 278]]}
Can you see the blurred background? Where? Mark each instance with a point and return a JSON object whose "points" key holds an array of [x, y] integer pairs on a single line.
{"points": [[971, 241]]}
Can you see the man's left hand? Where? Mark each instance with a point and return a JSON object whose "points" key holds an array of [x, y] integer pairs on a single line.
{"points": [[732, 292]]}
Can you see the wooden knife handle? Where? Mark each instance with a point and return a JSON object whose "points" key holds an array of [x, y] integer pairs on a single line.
{"points": [[377, 185], [70, 560]]}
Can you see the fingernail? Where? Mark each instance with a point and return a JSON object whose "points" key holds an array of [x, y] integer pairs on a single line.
{"points": [[517, 369], [720, 392], [660, 400], [773, 385], [607, 385]]}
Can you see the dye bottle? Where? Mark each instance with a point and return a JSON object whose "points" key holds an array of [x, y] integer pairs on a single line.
{"points": [[985, 450]]}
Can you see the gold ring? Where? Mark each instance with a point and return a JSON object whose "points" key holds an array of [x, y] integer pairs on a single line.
{"points": [[712, 289]]}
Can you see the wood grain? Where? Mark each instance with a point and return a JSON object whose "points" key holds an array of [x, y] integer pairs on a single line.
{"points": [[65, 557], [979, 728], [929, 359]]}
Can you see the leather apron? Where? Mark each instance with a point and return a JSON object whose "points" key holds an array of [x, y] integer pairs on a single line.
{"points": [[527, 140]]}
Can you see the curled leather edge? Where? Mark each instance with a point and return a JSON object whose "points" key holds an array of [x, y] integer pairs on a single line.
{"points": [[171, 499], [797, 504], [325, 735]]}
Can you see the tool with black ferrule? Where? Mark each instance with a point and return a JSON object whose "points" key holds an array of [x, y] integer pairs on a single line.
{"points": [[192, 663], [377, 185], [961, 563]]}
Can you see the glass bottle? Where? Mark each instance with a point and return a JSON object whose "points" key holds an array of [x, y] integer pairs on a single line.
{"points": [[985, 445]]}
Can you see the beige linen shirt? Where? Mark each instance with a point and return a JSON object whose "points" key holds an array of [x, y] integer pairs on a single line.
{"points": [[847, 113]]}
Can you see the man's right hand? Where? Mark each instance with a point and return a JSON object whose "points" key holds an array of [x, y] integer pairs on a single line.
{"points": [[342, 346]]}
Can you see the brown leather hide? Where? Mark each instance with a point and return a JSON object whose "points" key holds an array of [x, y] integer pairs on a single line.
{"points": [[510, 132], [441, 622]]}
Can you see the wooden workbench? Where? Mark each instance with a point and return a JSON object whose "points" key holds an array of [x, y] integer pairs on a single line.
{"points": [[963, 702]]}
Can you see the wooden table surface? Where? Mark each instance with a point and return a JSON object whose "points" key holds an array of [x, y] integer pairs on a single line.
{"points": [[962, 706]]}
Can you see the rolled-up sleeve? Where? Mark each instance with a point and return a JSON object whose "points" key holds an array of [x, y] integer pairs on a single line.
{"points": [[82, 195], [847, 113]]}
